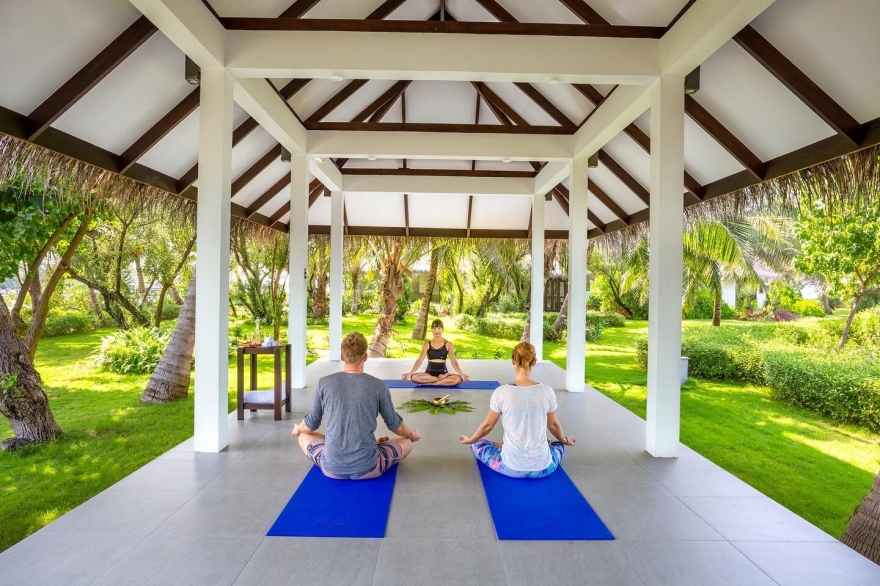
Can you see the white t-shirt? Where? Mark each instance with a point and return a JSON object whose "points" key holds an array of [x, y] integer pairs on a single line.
{"points": [[524, 417]]}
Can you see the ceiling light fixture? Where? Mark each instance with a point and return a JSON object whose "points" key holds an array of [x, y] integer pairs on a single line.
{"points": [[319, 160], [505, 160], [553, 81], [336, 77], [371, 158]]}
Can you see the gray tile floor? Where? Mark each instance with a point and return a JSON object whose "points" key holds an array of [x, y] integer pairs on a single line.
{"points": [[190, 518]]}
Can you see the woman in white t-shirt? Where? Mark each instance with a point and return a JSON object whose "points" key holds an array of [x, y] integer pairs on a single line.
{"points": [[526, 409]]}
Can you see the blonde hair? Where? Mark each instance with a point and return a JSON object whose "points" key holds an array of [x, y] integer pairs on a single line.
{"points": [[524, 356], [354, 346]]}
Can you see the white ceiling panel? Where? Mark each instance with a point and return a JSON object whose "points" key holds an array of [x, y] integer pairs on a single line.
{"points": [[409, 10], [563, 95], [555, 217], [376, 209], [531, 11], [487, 116], [501, 213], [502, 166], [377, 164], [314, 95], [836, 44], [178, 150], [469, 11], [438, 210], [132, 98], [522, 104], [754, 106], [638, 12], [319, 213], [44, 42], [704, 158], [359, 100], [437, 164], [616, 190], [395, 114], [598, 208], [449, 102], [258, 186], [251, 8], [250, 150]]}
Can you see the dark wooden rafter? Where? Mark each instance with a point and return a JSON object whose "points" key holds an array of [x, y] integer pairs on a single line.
{"points": [[406, 212], [496, 10], [385, 9], [380, 113], [562, 193], [625, 178], [448, 26], [435, 127], [344, 219], [380, 106], [242, 131], [88, 77], [724, 137], [608, 202], [258, 167], [584, 12], [531, 216], [298, 8], [799, 84], [316, 190], [408, 172], [681, 12], [161, 128], [270, 193], [642, 139], [492, 98], [499, 114], [546, 105], [560, 198], [334, 102]]}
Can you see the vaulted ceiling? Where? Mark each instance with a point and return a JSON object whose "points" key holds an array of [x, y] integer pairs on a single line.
{"points": [[96, 80]]}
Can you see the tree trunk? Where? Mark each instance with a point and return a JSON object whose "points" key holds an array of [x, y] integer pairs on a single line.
{"points": [[319, 309], [716, 308], [170, 380], [826, 305], [139, 271], [421, 326], [175, 296], [160, 304], [561, 318], [354, 293], [849, 320], [863, 533], [527, 329], [392, 286], [22, 400], [96, 305]]}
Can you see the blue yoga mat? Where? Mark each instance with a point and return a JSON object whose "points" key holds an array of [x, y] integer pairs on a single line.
{"points": [[549, 508], [324, 507], [473, 385]]}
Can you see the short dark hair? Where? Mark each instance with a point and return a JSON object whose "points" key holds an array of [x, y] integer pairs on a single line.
{"points": [[437, 324]]}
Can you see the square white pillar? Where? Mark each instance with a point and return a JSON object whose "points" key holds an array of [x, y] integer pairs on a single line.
{"points": [[665, 269], [536, 329], [299, 251], [337, 201], [211, 429], [575, 360]]}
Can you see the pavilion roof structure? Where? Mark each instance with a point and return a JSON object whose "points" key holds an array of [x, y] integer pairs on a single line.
{"points": [[444, 117]]}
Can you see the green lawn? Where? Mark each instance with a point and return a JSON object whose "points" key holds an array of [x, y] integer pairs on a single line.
{"points": [[820, 470]]}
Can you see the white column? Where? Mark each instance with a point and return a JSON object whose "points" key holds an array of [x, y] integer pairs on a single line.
{"points": [[299, 250], [211, 429], [575, 360], [665, 270], [536, 331], [337, 201]]}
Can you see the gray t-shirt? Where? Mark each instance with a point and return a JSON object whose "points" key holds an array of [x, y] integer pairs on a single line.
{"points": [[350, 403]]}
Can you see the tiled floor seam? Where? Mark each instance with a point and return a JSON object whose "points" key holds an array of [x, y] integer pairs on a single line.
{"points": [[113, 565], [253, 553], [745, 555]]}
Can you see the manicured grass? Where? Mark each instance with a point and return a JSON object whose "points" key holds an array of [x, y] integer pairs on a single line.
{"points": [[819, 469]]}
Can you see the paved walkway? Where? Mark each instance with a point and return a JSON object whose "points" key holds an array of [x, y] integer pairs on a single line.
{"points": [[191, 519]]}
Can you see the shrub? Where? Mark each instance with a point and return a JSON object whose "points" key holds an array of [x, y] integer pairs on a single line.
{"points": [[464, 322], [171, 310], [808, 308], [865, 329], [499, 326], [65, 321], [134, 351], [321, 320], [606, 319], [841, 385], [403, 305], [781, 295], [784, 315], [704, 308]]}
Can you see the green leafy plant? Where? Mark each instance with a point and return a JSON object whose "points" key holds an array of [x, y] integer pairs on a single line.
{"points": [[438, 405], [134, 351], [8, 382]]}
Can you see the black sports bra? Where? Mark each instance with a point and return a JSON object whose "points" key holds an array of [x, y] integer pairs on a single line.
{"points": [[437, 353]]}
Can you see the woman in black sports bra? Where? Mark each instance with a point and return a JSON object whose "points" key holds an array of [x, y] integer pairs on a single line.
{"points": [[437, 351]]}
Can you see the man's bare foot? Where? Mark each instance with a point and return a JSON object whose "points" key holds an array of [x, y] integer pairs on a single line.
{"points": [[382, 439]]}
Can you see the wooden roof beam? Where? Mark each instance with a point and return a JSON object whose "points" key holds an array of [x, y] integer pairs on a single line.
{"points": [[545, 104], [267, 196], [89, 76], [270, 157], [334, 102], [625, 178], [161, 128], [492, 98], [724, 137], [298, 8], [799, 84], [385, 9], [584, 12], [608, 202]]}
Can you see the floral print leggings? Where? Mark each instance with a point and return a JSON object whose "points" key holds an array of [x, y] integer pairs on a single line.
{"points": [[490, 455]]}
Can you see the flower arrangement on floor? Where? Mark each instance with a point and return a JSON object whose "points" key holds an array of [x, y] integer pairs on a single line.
{"points": [[437, 405]]}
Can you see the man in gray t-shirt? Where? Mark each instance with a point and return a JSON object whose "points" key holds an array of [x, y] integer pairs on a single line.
{"points": [[350, 401]]}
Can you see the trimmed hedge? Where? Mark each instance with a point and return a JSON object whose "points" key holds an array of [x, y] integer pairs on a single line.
{"points": [[510, 326], [843, 385]]}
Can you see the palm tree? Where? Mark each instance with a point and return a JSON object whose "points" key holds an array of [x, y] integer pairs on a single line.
{"points": [[498, 266], [394, 257], [355, 264], [170, 380], [319, 273], [421, 326]]}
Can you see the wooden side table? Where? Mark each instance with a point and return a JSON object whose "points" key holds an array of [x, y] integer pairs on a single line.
{"points": [[278, 396]]}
